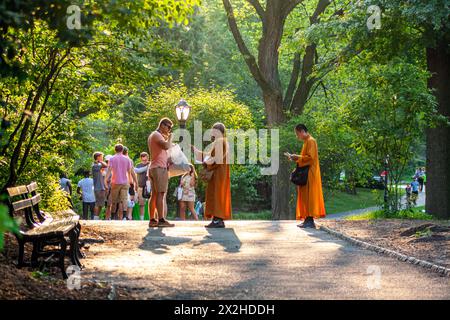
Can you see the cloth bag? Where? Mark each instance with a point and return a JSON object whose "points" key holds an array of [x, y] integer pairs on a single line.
{"points": [[299, 176]]}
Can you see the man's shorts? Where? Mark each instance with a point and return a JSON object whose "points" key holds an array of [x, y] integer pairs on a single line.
{"points": [[140, 199], [160, 179], [119, 193], [100, 198]]}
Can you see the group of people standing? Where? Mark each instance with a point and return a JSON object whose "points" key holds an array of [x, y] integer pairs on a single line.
{"points": [[113, 183], [117, 184]]}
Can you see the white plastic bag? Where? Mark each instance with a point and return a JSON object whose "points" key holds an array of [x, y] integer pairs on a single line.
{"points": [[178, 193], [148, 185], [179, 164]]}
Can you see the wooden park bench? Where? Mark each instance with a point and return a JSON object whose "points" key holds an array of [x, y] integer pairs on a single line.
{"points": [[42, 229]]}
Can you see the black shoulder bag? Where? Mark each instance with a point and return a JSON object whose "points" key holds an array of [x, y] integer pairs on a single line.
{"points": [[299, 176]]}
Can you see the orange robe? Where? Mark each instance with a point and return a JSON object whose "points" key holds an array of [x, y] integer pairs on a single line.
{"points": [[310, 197], [218, 190]]}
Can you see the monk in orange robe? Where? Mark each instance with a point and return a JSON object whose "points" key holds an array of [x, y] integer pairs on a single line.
{"points": [[218, 190], [310, 204]]}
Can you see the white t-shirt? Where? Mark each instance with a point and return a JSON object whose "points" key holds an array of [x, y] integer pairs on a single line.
{"points": [[87, 188]]}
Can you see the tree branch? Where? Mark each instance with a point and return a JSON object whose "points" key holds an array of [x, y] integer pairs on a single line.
{"points": [[49, 88], [66, 106], [305, 84], [302, 92], [259, 9], [248, 57], [321, 6], [290, 5], [293, 81]]}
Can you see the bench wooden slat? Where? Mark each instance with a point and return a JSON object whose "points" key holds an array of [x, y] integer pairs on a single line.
{"points": [[42, 230], [36, 199], [22, 204], [17, 191], [32, 187]]}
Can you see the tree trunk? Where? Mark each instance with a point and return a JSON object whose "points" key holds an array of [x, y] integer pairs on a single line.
{"points": [[281, 185], [438, 139], [281, 193]]}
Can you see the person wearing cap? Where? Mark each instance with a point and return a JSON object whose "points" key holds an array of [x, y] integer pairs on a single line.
{"points": [[141, 171], [98, 168]]}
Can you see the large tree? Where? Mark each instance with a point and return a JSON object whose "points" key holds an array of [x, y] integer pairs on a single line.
{"points": [[281, 99]]}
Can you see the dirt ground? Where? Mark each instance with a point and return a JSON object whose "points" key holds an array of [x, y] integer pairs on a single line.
{"points": [[424, 240], [35, 284]]}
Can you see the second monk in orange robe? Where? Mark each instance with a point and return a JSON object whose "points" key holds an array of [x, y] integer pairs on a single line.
{"points": [[218, 190], [310, 204]]}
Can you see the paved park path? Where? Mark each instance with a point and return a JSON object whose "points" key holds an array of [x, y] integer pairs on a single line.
{"points": [[249, 260]]}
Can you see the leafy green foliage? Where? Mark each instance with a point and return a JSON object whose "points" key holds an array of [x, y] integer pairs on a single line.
{"points": [[208, 106], [388, 115], [6, 224]]}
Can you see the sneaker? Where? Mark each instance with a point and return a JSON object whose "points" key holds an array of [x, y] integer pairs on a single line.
{"points": [[153, 223], [216, 224], [309, 223], [164, 223]]}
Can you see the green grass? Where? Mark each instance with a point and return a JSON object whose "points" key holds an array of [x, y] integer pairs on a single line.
{"points": [[261, 215], [413, 214], [342, 201]]}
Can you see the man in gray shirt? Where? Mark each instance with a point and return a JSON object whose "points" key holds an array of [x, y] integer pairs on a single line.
{"points": [[99, 183], [141, 171]]}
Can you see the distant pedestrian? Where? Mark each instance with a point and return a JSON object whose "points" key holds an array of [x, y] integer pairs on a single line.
{"points": [[415, 191], [66, 186], [86, 190], [119, 169], [133, 183], [408, 194], [98, 168], [188, 181], [142, 195], [420, 178]]}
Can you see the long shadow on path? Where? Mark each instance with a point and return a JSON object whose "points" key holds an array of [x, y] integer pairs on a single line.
{"points": [[159, 243], [225, 237]]}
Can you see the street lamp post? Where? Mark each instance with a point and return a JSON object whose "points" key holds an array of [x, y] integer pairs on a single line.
{"points": [[182, 110]]}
